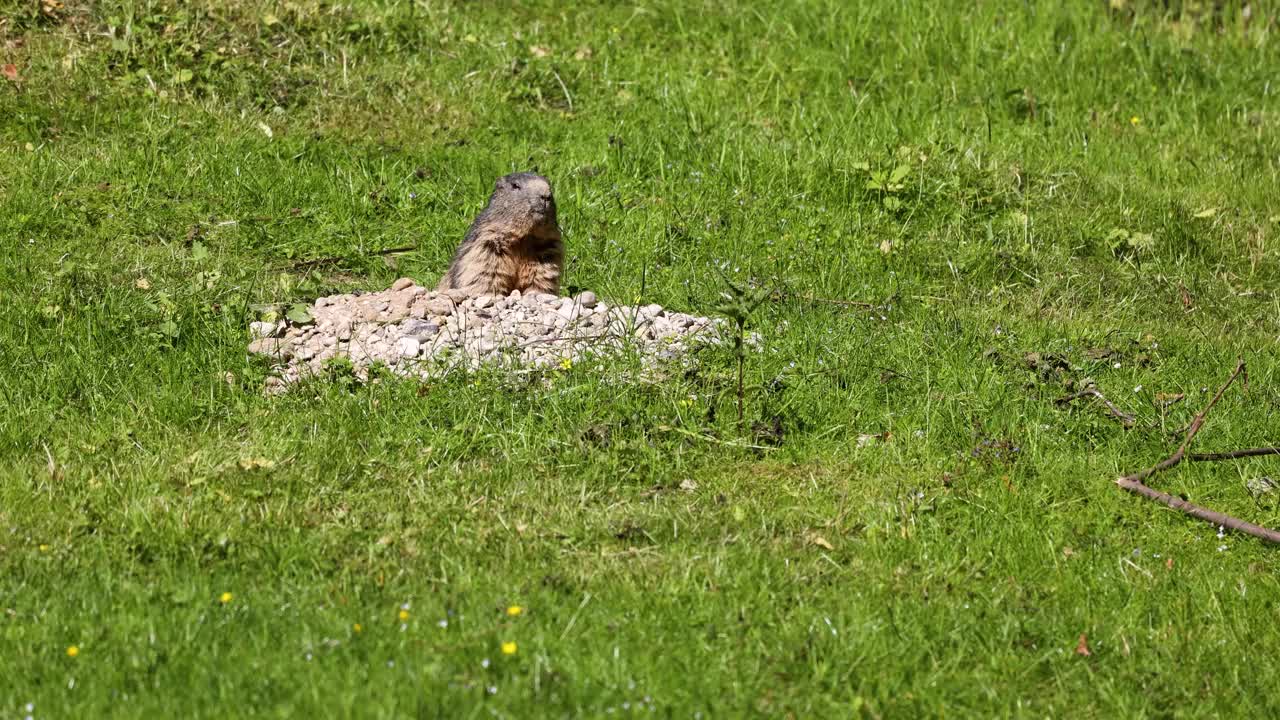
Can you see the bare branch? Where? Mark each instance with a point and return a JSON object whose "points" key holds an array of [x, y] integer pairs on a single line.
{"points": [[1173, 460], [1196, 511], [1234, 454], [1135, 483]]}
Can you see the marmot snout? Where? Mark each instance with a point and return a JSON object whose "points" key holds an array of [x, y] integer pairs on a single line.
{"points": [[514, 244]]}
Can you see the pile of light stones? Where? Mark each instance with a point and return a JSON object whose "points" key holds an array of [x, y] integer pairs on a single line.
{"points": [[415, 332]]}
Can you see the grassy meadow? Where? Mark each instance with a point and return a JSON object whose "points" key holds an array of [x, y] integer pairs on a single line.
{"points": [[1028, 197]]}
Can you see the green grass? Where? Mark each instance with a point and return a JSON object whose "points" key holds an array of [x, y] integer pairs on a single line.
{"points": [[1073, 178]]}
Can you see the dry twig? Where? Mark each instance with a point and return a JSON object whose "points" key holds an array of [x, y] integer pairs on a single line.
{"points": [[1234, 454], [1136, 482], [1125, 418]]}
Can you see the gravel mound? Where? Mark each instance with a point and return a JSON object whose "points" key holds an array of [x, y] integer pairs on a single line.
{"points": [[416, 332]]}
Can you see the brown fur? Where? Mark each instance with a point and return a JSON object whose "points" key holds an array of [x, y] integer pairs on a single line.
{"points": [[514, 244]]}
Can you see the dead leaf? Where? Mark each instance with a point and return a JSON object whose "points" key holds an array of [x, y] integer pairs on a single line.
{"points": [[815, 539], [688, 485], [251, 464], [1167, 399], [10, 71], [1168, 564], [142, 283], [1067, 552], [583, 53], [867, 440], [1082, 647], [539, 51]]}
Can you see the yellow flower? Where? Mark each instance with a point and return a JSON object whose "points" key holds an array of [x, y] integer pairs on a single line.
{"points": [[44, 548], [508, 648], [224, 598], [1135, 121], [514, 610], [566, 363], [357, 627], [73, 651], [404, 615]]}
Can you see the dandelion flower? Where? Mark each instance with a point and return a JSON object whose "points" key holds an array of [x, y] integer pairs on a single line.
{"points": [[357, 628], [44, 548], [225, 598], [1135, 121], [404, 615], [508, 648], [73, 651], [514, 610]]}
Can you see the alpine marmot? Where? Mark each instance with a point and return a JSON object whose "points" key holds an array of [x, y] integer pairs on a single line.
{"points": [[514, 244]]}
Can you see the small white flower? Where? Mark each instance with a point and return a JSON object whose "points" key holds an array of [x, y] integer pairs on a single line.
{"points": [[443, 623], [484, 663], [493, 689]]}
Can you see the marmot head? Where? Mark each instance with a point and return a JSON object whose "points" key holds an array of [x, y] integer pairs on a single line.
{"points": [[524, 201]]}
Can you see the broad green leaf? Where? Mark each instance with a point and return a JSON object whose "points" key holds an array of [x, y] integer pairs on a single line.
{"points": [[299, 314]]}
